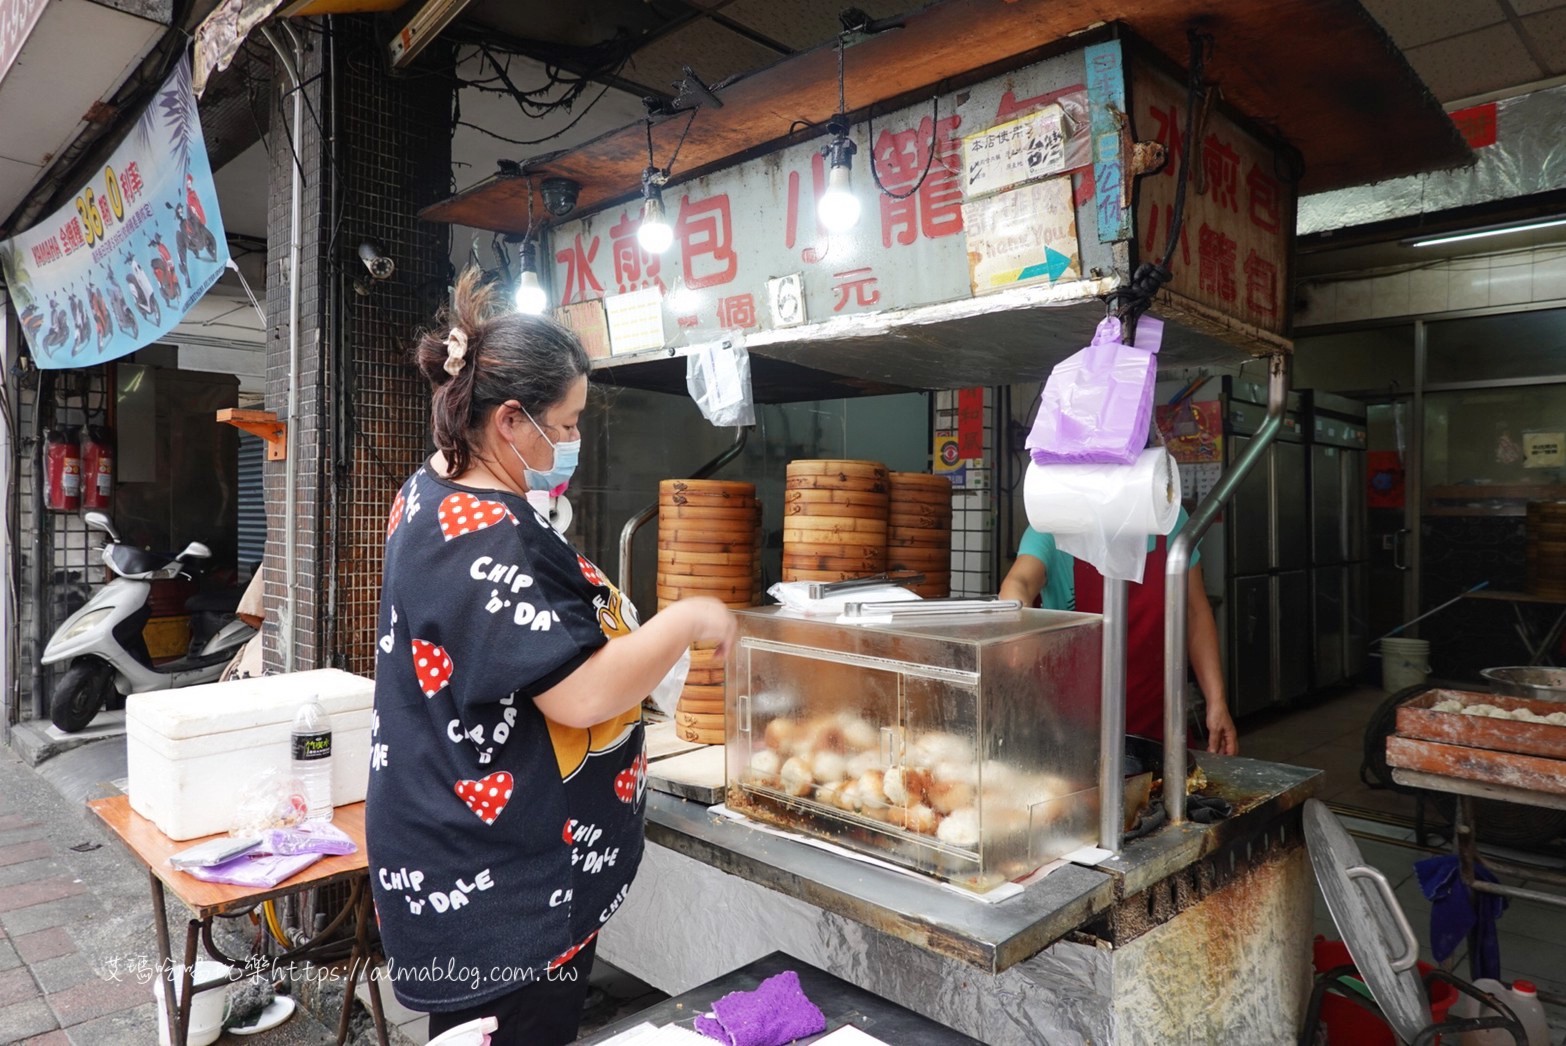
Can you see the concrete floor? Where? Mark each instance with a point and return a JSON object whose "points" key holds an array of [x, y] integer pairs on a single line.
{"points": [[1328, 734]]}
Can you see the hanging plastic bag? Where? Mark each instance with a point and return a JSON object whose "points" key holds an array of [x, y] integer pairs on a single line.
{"points": [[717, 374], [1097, 404]]}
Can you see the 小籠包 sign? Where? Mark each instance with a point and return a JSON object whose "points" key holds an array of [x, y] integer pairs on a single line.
{"points": [[121, 264]]}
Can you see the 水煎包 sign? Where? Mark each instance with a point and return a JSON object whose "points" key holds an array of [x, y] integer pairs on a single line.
{"points": [[1233, 252], [141, 242]]}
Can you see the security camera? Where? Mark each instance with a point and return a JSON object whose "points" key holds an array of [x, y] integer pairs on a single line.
{"points": [[380, 266], [559, 195]]}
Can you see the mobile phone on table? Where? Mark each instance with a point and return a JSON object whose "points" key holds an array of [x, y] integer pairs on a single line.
{"points": [[213, 852]]}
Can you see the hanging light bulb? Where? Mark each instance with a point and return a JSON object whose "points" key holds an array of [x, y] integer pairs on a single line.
{"points": [[654, 233], [530, 296], [838, 208]]}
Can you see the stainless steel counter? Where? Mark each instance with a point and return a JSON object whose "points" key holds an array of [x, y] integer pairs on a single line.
{"points": [[935, 918], [1197, 933]]}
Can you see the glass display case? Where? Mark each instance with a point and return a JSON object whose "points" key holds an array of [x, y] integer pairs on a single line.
{"points": [[964, 746]]}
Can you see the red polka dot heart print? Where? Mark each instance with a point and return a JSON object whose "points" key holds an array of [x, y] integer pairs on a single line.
{"points": [[395, 517], [461, 514], [628, 783], [433, 667], [487, 796]]}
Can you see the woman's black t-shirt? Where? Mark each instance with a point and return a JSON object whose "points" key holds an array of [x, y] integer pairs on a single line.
{"points": [[499, 842]]}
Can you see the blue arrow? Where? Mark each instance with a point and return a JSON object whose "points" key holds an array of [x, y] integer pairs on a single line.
{"points": [[1054, 265]]}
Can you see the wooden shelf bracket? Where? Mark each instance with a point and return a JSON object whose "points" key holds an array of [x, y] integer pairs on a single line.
{"points": [[261, 423]]}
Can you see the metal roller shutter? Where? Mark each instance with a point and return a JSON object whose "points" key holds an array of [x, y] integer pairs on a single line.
{"points": [[252, 502]]}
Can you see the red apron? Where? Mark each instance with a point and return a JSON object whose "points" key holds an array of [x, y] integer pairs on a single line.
{"points": [[1144, 638]]}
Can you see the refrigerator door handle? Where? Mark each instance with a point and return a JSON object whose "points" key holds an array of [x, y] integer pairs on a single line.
{"points": [[1400, 548]]}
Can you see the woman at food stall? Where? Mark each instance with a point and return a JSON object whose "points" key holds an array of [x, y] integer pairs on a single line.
{"points": [[505, 808], [1063, 582]]}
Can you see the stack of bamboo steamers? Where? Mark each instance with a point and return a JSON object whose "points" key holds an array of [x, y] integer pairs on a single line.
{"points": [[709, 544], [850, 519]]}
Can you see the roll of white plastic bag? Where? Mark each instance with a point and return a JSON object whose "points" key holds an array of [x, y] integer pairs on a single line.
{"points": [[1104, 514], [667, 693]]}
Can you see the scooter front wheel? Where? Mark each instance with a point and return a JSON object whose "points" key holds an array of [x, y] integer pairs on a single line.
{"points": [[86, 687]]}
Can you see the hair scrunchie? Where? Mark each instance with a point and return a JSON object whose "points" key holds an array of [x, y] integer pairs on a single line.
{"points": [[456, 351]]}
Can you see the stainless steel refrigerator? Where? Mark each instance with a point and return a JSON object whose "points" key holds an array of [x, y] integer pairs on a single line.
{"points": [[1339, 566], [1266, 557]]}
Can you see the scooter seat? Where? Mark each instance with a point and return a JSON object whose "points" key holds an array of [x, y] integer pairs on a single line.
{"points": [[131, 561]]}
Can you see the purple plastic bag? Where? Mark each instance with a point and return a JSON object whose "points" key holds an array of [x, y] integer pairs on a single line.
{"points": [[308, 837], [775, 1014], [1097, 404], [255, 870]]}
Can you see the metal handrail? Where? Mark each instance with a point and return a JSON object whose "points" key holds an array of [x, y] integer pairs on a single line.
{"points": [[1176, 586], [645, 516]]}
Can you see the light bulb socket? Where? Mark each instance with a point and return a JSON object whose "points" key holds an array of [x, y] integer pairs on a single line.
{"points": [[841, 149], [528, 254]]}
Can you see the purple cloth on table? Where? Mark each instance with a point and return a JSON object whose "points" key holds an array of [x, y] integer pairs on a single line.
{"points": [[775, 1014], [255, 870]]}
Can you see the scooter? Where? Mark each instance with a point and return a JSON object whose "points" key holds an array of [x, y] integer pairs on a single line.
{"points": [[122, 310], [142, 295], [193, 236], [163, 269], [59, 328], [79, 321], [102, 642], [100, 313]]}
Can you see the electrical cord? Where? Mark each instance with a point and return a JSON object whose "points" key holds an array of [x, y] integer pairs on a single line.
{"points": [[929, 160]]}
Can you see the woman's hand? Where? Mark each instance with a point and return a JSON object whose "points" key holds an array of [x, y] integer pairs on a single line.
{"points": [[1222, 737], [709, 622]]}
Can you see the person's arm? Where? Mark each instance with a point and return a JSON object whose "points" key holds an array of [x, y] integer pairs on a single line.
{"points": [[1202, 647], [623, 671], [1025, 580]]}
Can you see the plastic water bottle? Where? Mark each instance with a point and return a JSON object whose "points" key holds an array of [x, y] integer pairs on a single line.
{"points": [[311, 749], [1522, 998]]}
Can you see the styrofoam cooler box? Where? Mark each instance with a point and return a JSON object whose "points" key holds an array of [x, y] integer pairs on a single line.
{"points": [[192, 751]]}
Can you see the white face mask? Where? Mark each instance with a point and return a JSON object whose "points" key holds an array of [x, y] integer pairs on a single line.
{"points": [[566, 454]]}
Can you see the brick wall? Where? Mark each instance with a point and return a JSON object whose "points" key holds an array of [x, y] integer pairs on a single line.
{"points": [[362, 412]]}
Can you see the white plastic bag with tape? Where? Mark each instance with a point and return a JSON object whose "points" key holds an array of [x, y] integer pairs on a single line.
{"points": [[717, 374]]}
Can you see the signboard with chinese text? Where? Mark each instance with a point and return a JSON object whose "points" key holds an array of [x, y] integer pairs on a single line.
{"points": [[1022, 236], [737, 230], [1233, 254], [1544, 450], [970, 423], [17, 18], [1021, 150], [118, 267]]}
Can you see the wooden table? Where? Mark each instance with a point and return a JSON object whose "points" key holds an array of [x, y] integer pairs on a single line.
{"points": [[208, 900], [1539, 647]]}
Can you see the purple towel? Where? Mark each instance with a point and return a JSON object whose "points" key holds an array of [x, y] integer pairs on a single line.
{"points": [[775, 1014]]}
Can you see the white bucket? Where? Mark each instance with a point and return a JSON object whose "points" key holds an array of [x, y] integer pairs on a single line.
{"points": [[1404, 663], [207, 1009]]}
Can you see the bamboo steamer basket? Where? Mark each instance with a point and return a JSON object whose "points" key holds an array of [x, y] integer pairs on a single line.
{"points": [[913, 521], [825, 575], [690, 561], [931, 539], [836, 524], [672, 574], [805, 562], [699, 720], [705, 676], [698, 737], [797, 510], [699, 515], [822, 496], [839, 468], [701, 584], [708, 488]]}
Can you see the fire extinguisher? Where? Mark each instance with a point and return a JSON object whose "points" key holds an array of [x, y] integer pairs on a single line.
{"points": [[63, 471], [98, 468]]}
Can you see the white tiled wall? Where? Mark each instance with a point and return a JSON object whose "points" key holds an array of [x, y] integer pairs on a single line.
{"points": [[1445, 285], [973, 505]]}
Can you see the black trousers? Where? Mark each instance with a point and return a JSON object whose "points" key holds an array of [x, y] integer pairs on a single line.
{"points": [[543, 1013]]}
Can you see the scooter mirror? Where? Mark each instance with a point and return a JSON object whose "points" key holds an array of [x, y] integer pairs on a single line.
{"points": [[98, 521], [196, 550]]}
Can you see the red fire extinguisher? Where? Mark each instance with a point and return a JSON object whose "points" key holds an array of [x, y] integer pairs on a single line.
{"points": [[63, 471], [98, 468]]}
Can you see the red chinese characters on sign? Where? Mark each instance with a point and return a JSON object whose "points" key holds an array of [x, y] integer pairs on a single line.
{"points": [[105, 211], [71, 236], [579, 281], [705, 231], [1261, 285], [1215, 263], [858, 284], [1168, 135], [935, 208], [1263, 199], [970, 423], [737, 311], [130, 183], [634, 268], [792, 218], [1221, 172]]}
